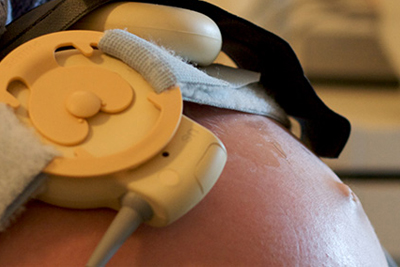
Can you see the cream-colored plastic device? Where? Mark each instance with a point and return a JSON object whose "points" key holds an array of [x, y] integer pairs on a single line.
{"points": [[119, 142], [190, 34]]}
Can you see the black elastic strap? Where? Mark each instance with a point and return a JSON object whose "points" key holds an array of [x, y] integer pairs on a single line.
{"points": [[250, 46]]}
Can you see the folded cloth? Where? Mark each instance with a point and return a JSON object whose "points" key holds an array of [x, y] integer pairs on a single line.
{"points": [[216, 85], [22, 158]]}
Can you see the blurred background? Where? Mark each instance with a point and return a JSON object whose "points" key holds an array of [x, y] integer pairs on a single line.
{"points": [[350, 50]]}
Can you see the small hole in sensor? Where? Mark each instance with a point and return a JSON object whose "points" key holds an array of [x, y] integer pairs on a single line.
{"points": [[165, 154]]}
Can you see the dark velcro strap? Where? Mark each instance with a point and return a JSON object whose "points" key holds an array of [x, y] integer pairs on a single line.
{"points": [[250, 46]]}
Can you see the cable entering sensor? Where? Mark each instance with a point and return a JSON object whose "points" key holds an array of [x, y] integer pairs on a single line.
{"points": [[133, 212]]}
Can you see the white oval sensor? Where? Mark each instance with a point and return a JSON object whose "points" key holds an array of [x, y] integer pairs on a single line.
{"points": [[191, 35]]}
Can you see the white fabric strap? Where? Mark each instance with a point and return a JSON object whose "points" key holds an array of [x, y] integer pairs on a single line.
{"points": [[22, 158], [216, 85]]}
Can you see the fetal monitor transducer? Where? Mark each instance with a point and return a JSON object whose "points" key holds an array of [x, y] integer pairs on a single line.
{"points": [[120, 144]]}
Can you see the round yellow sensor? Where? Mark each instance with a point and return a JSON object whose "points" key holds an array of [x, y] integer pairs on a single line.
{"points": [[67, 91]]}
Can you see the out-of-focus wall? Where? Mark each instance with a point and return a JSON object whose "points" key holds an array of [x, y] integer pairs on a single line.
{"points": [[270, 14], [335, 40]]}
